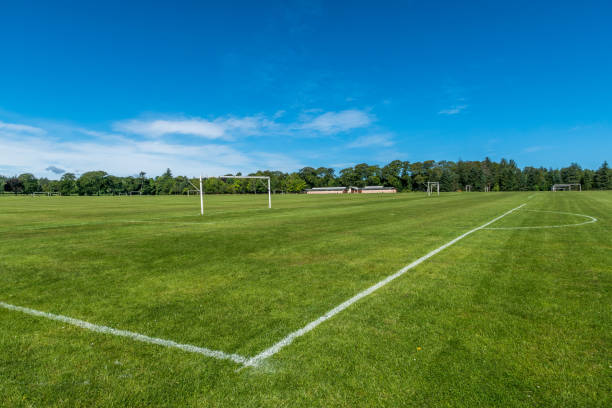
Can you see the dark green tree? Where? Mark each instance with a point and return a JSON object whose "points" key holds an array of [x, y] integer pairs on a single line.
{"points": [[91, 183], [602, 177]]}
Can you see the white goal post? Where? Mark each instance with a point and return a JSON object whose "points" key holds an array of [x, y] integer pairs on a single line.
{"points": [[201, 190], [433, 186]]}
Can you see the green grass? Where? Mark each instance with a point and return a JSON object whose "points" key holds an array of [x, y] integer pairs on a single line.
{"points": [[502, 318]]}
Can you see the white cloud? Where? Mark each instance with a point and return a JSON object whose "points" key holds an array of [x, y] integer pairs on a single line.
{"points": [[378, 140], [76, 149], [337, 122], [223, 128], [123, 156], [18, 128], [232, 127], [159, 127], [454, 110]]}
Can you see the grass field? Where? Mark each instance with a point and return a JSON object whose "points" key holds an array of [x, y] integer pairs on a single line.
{"points": [[504, 317]]}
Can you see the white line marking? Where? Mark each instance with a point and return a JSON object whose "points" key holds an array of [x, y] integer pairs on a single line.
{"points": [[591, 220], [256, 360], [124, 333]]}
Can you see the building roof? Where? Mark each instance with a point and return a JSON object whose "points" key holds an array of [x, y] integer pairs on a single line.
{"points": [[326, 189], [377, 188]]}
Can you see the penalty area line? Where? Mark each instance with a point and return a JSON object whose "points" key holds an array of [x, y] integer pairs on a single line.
{"points": [[269, 352], [131, 335]]}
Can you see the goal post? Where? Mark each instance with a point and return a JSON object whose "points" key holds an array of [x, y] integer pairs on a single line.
{"points": [[201, 189], [433, 186]]}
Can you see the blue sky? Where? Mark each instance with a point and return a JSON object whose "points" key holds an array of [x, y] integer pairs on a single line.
{"points": [[239, 86]]}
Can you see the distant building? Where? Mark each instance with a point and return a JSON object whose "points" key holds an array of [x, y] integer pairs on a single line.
{"points": [[327, 190], [351, 190], [373, 190]]}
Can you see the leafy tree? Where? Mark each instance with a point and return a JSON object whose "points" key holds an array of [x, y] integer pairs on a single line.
{"points": [[142, 175], [588, 177], [294, 183], [448, 180], [29, 182], [403, 175], [309, 175], [418, 176], [348, 177], [406, 177], [391, 174], [326, 177], [91, 183], [164, 184], [571, 174], [14, 184], [602, 177]]}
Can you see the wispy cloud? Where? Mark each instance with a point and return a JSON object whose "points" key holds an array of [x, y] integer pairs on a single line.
{"points": [[45, 153], [233, 127], [158, 128], [155, 142], [378, 140], [455, 110], [19, 128], [224, 128], [337, 122]]}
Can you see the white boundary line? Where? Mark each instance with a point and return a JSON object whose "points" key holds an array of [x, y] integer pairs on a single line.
{"points": [[255, 361], [124, 333], [591, 220]]}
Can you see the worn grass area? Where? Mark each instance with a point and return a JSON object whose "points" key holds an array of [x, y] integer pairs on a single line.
{"points": [[503, 318]]}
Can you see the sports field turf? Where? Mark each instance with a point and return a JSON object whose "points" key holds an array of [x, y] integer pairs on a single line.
{"points": [[504, 317]]}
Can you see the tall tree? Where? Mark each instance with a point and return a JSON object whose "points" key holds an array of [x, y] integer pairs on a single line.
{"points": [[14, 185], [68, 184], [603, 177], [91, 183], [29, 182]]}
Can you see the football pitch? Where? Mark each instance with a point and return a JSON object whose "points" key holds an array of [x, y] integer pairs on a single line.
{"points": [[466, 299]]}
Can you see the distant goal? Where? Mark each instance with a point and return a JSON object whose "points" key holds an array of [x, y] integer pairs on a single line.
{"points": [[567, 187], [433, 186]]}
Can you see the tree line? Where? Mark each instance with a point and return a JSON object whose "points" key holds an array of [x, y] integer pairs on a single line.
{"points": [[504, 175]]}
